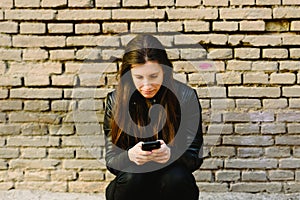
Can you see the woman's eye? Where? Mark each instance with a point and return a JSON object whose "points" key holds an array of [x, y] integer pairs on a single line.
{"points": [[153, 76], [139, 77]]}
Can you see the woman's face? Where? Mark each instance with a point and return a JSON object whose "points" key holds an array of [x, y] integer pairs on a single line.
{"points": [[147, 78]]}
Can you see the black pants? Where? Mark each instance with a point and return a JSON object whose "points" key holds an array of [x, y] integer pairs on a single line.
{"points": [[174, 182]]}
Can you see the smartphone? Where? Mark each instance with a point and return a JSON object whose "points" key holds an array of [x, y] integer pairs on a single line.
{"points": [[149, 146]]}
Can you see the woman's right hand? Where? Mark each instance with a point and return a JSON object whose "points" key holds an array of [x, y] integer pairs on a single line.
{"points": [[137, 155]]}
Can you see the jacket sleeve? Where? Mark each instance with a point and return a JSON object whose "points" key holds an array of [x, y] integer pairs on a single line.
{"points": [[189, 139], [115, 157]]}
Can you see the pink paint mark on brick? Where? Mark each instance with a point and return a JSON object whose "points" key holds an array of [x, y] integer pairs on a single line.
{"points": [[205, 65]]}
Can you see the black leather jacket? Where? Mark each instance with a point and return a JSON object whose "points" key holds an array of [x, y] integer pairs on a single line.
{"points": [[188, 139]]}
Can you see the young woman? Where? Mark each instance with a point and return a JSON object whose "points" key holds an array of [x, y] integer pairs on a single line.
{"points": [[149, 105]]}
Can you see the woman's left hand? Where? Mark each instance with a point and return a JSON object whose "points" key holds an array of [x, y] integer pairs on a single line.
{"points": [[161, 155]]}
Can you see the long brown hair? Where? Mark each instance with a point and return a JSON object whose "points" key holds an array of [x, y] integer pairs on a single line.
{"points": [[139, 50]]}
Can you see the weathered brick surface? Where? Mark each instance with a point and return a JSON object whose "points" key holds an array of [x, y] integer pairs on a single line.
{"points": [[59, 59]]}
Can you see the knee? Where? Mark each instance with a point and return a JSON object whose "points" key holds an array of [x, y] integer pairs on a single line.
{"points": [[177, 175], [129, 179]]}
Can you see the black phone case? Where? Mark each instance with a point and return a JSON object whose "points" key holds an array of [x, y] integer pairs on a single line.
{"points": [[148, 146]]}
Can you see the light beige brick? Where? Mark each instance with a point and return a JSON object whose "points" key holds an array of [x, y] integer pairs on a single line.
{"points": [[186, 13], [222, 104], [286, 12], [134, 3], [37, 176], [10, 81], [111, 54], [197, 26], [282, 78], [162, 3], [170, 26], [295, 26], [6, 4], [278, 152], [216, 39], [34, 28], [246, 128], [24, 68], [247, 53], [127, 14], [248, 103], [1, 15], [254, 176], [143, 27], [225, 26], [39, 41], [254, 91], [220, 54], [90, 40], [87, 28], [273, 128], [252, 26], [36, 105], [275, 53], [65, 153], [211, 92], [66, 130], [278, 26], [110, 3], [114, 27], [237, 65], [242, 2], [289, 65], [265, 66], [63, 175], [27, 4], [6, 185], [262, 40], [80, 3], [9, 27], [248, 141], [293, 128], [293, 91], [201, 78], [192, 53], [268, 2], [53, 3], [26, 14], [255, 77], [290, 2], [30, 93], [83, 14], [10, 105], [11, 54], [229, 78], [3, 94], [64, 80], [91, 176], [245, 13], [215, 2], [223, 151], [275, 103], [35, 54], [294, 52], [294, 103], [251, 152], [37, 80], [2, 68], [9, 153], [183, 3], [60, 28], [62, 54]]}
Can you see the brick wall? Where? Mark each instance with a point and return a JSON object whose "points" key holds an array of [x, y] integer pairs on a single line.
{"points": [[59, 59]]}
